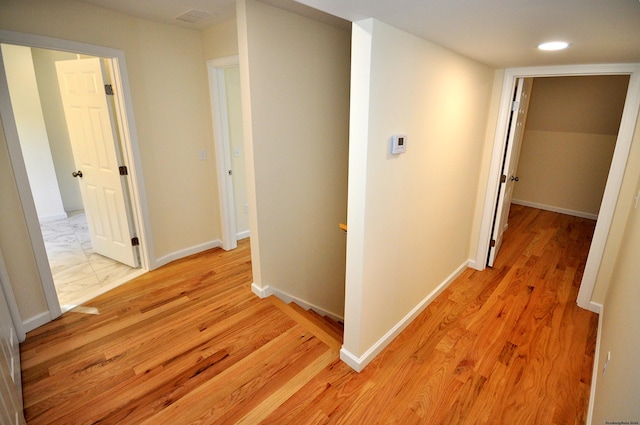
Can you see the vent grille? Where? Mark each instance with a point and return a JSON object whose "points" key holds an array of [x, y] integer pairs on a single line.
{"points": [[194, 16]]}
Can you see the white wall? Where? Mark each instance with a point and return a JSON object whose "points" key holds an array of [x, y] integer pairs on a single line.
{"points": [[295, 88], [221, 40], [23, 90], [410, 216]]}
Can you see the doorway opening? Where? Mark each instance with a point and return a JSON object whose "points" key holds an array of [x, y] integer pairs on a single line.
{"points": [[614, 173], [61, 207], [226, 107]]}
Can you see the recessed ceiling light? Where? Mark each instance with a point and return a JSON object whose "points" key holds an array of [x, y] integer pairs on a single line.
{"points": [[553, 45]]}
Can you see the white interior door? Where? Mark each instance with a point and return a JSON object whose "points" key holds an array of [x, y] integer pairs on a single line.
{"points": [[510, 164], [97, 157]]}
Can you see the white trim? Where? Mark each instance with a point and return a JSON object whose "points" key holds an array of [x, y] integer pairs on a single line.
{"points": [[359, 363], [36, 321], [288, 298], [243, 235], [471, 263], [595, 307], [268, 290], [596, 367], [176, 255], [618, 163], [555, 209], [220, 119], [11, 300], [261, 292], [131, 156], [53, 217]]}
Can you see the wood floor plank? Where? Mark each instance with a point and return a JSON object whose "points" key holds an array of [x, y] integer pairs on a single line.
{"points": [[283, 393], [189, 343]]}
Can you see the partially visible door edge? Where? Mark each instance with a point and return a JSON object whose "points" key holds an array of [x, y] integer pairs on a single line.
{"points": [[220, 121]]}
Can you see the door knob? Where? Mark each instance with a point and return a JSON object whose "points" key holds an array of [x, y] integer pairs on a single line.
{"points": [[77, 174], [513, 178]]}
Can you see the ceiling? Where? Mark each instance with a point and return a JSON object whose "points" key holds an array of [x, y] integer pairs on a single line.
{"points": [[499, 33]]}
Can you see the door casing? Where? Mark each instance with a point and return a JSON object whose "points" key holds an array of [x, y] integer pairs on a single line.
{"points": [[616, 172], [131, 154]]}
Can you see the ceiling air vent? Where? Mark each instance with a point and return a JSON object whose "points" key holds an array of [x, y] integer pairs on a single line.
{"points": [[194, 16]]}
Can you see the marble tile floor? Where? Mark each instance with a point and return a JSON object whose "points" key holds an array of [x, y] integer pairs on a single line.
{"points": [[79, 274]]}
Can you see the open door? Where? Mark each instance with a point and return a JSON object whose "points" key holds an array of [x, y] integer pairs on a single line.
{"points": [[97, 156], [510, 164]]}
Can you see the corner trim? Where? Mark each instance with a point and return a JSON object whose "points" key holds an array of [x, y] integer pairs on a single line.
{"points": [[359, 363], [595, 307], [261, 292], [159, 262], [471, 263], [596, 367]]}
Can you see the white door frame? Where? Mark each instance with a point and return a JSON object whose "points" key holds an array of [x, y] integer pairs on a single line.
{"points": [[616, 172], [131, 154], [220, 118]]}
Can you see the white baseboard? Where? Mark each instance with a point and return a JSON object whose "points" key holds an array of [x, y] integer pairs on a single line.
{"points": [[359, 363], [596, 369], [36, 321], [555, 209], [242, 235], [159, 262], [54, 217], [287, 298]]}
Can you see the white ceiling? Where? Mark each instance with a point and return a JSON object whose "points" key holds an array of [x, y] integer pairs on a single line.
{"points": [[500, 33]]}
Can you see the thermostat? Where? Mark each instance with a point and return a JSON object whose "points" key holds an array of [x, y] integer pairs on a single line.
{"points": [[398, 144]]}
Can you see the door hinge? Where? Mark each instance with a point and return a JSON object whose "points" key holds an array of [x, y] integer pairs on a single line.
{"points": [[515, 106], [493, 243], [123, 170], [503, 179], [135, 241], [108, 89]]}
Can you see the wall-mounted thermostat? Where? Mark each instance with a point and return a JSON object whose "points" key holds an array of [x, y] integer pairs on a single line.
{"points": [[398, 144]]}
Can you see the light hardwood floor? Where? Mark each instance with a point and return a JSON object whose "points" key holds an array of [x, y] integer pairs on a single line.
{"points": [[189, 343]]}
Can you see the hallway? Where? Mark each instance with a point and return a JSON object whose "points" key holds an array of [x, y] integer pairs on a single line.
{"points": [[189, 343]]}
